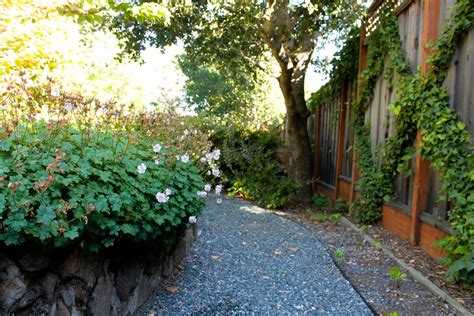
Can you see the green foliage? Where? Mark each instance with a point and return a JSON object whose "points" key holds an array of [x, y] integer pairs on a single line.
{"points": [[321, 217], [252, 167], [397, 275], [229, 96], [320, 201], [334, 218], [69, 171], [88, 188], [341, 205], [378, 245], [339, 253]]}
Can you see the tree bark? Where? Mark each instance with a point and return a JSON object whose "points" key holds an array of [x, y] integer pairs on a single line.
{"points": [[300, 167], [293, 56]]}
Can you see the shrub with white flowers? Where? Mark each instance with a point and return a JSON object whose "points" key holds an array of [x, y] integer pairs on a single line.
{"points": [[76, 170]]}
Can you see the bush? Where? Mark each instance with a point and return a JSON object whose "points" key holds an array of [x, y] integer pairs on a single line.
{"points": [[75, 170], [93, 191], [252, 167]]}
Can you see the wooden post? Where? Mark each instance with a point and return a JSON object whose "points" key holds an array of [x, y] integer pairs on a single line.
{"points": [[317, 149], [431, 16], [362, 66], [340, 136]]}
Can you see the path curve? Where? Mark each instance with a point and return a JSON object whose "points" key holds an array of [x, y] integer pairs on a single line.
{"points": [[247, 260]]}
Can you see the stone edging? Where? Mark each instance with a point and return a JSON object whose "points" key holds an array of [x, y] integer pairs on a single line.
{"points": [[417, 275]]}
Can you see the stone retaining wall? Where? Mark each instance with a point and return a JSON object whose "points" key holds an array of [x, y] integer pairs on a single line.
{"points": [[76, 282]]}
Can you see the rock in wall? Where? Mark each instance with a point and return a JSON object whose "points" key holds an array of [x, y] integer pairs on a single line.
{"points": [[76, 282]]}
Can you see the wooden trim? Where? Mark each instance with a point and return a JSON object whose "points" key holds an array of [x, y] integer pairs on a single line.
{"points": [[399, 206], [374, 5], [401, 7], [344, 178], [340, 135], [327, 186], [431, 14], [437, 223]]}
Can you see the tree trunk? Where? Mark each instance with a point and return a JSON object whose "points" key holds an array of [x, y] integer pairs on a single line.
{"points": [[293, 55], [300, 167]]}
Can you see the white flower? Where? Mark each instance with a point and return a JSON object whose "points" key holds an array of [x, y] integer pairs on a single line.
{"points": [[192, 219], [156, 148], [68, 107], [157, 162], [203, 152], [216, 154], [177, 157], [142, 168], [162, 197], [209, 156], [218, 188], [203, 159], [207, 187], [202, 193], [219, 201], [216, 172], [186, 133], [185, 158], [167, 192], [208, 172]]}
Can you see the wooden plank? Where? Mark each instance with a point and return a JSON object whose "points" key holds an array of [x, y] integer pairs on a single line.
{"points": [[422, 167], [340, 135], [431, 20]]}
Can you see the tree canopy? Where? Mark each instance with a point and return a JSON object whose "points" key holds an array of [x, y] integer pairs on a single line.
{"points": [[277, 37]]}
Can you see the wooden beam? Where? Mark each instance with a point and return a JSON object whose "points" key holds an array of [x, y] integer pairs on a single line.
{"points": [[340, 135], [419, 202]]}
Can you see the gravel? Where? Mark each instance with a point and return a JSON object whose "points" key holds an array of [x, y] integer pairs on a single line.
{"points": [[247, 260]]}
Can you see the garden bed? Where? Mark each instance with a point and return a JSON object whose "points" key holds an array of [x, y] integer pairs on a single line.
{"points": [[368, 268]]}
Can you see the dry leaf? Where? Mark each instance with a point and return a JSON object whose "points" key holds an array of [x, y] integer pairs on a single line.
{"points": [[218, 258], [292, 249], [266, 277], [173, 289], [277, 252]]}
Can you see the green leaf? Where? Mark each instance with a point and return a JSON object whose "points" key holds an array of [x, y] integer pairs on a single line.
{"points": [[72, 232]]}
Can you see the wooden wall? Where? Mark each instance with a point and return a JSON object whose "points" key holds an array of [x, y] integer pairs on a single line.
{"points": [[416, 213]]}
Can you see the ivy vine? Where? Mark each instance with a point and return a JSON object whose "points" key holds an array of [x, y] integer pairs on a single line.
{"points": [[422, 103]]}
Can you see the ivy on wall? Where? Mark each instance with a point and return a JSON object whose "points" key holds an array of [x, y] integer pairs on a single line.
{"points": [[344, 68], [422, 103]]}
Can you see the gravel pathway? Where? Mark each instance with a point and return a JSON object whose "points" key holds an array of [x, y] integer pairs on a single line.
{"points": [[247, 260]]}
